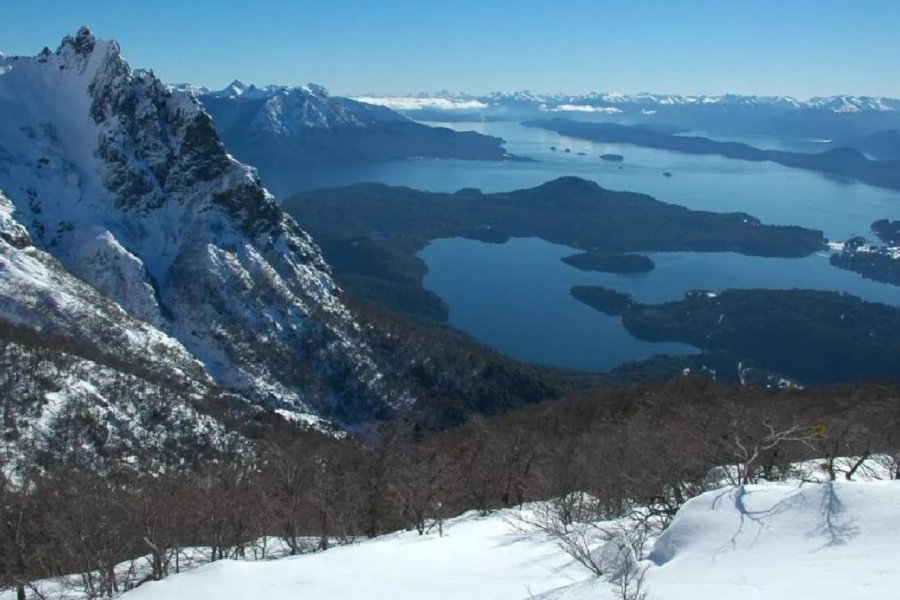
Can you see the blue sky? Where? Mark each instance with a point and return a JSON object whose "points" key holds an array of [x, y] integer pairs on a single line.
{"points": [[796, 47]]}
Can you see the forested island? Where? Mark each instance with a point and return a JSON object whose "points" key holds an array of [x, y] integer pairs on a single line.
{"points": [[816, 337], [611, 302], [879, 263], [875, 263], [605, 262], [847, 163], [888, 231]]}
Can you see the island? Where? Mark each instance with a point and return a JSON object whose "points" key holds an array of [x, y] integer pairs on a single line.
{"points": [[610, 263], [611, 302], [887, 231], [878, 263], [815, 337], [847, 163], [371, 233]]}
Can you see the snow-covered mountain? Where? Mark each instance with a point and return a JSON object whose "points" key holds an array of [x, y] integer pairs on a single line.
{"points": [[280, 129], [821, 118], [292, 110], [126, 226], [842, 103]]}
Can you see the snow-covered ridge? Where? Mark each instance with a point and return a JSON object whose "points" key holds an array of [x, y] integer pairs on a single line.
{"points": [[36, 291], [579, 102], [414, 103], [290, 111], [127, 184]]}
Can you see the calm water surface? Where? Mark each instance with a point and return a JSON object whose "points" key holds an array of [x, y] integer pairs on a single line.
{"points": [[515, 296], [771, 192]]}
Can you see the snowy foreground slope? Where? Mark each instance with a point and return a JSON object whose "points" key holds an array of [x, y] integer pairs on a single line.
{"points": [[839, 540], [769, 541]]}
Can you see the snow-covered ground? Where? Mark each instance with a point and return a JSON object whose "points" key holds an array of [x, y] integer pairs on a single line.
{"points": [[821, 541], [478, 557], [770, 541]]}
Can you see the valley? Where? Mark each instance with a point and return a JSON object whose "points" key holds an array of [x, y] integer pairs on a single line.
{"points": [[371, 233], [411, 345]]}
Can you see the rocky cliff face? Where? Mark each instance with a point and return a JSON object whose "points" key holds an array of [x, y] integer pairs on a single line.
{"points": [[125, 188]]}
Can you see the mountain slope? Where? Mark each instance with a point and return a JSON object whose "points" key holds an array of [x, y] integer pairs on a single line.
{"points": [[127, 184], [277, 128]]}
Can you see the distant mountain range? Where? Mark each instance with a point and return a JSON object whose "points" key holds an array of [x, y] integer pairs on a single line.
{"points": [[276, 128], [625, 102], [835, 118], [274, 125]]}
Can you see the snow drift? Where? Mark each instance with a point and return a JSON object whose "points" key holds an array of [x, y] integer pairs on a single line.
{"points": [[774, 541]]}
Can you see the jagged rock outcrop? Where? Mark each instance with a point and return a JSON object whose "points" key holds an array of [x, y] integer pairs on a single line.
{"points": [[124, 189]]}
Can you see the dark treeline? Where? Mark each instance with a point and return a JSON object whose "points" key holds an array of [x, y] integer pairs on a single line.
{"points": [[654, 444]]}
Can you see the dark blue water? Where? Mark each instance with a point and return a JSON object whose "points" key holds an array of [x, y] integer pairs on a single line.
{"points": [[515, 296], [773, 193]]}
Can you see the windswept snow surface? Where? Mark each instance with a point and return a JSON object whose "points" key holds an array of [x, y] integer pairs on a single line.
{"points": [[774, 541], [832, 540], [478, 557]]}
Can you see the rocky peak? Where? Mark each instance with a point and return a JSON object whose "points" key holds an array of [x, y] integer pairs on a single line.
{"points": [[128, 184], [81, 44]]}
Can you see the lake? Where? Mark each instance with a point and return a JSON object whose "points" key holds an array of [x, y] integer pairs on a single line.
{"points": [[515, 296], [771, 192]]}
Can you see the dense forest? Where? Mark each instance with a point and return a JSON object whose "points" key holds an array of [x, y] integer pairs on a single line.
{"points": [[610, 263], [877, 264], [888, 231], [611, 302], [816, 337]]}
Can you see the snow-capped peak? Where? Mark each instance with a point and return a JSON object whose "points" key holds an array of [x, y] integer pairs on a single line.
{"points": [[127, 183], [232, 90]]}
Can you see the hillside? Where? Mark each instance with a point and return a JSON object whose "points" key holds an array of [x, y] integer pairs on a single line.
{"points": [[778, 541]]}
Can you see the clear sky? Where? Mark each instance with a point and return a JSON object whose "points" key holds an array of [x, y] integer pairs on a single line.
{"points": [[796, 47]]}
